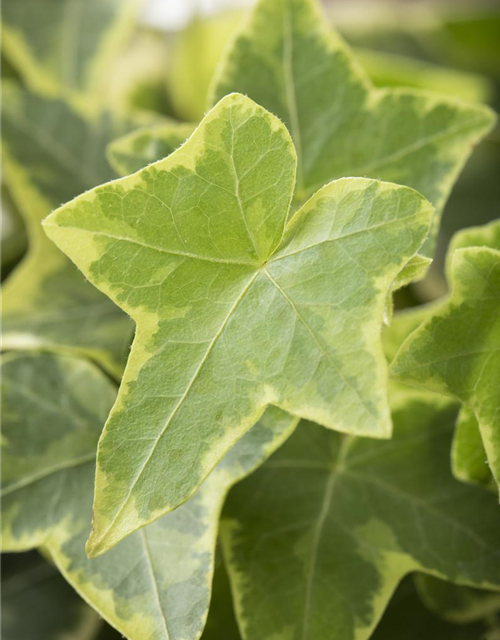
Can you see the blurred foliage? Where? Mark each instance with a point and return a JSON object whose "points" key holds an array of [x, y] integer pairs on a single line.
{"points": [[13, 234], [406, 617], [38, 604], [195, 53]]}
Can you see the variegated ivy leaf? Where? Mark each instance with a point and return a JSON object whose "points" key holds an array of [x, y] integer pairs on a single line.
{"points": [[38, 604], [456, 351], [156, 584], [456, 603], [52, 152], [288, 59], [321, 535], [139, 148], [237, 306], [65, 44]]}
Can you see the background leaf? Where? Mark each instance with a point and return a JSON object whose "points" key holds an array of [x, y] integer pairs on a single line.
{"points": [[38, 603], [157, 583], [289, 60], [52, 152], [406, 617], [457, 603], [65, 44], [320, 536]]}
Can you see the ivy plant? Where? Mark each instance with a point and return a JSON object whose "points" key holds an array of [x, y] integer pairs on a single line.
{"points": [[242, 466]]}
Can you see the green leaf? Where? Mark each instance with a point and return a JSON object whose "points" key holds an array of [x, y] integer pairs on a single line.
{"points": [[38, 603], [235, 307], [468, 457], [157, 583], [289, 60], [65, 44], [143, 146], [456, 351], [321, 535], [406, 617], [456, 603], [52, 152]]}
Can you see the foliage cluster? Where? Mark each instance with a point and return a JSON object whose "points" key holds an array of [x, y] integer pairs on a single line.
{"points": [[239, 399]]}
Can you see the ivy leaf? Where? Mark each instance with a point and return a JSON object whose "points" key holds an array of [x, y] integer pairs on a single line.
{"points": [[38, 603], [321, 535], [288, 59], [456, 351], [157, 583], [235, 307], [65, 44], [454, 602], [132, 152], [52, 152]]}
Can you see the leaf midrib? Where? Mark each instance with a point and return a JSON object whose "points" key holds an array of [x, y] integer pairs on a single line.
{"points": [[177, 407], [154, 579]]}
